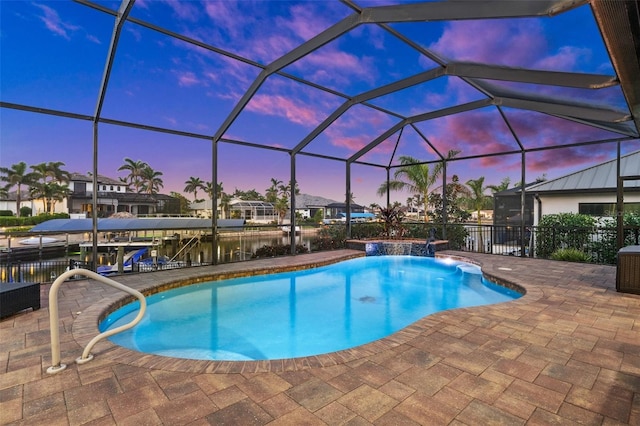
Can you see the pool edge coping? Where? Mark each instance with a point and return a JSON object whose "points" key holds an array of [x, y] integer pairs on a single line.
{"points": [[85, 325]]}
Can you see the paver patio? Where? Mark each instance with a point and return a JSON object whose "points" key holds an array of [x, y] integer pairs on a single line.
{"points": [[568, 352]]}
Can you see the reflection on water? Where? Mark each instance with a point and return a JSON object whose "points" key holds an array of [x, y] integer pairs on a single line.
{"points": [[238, 247], [234, 248]]}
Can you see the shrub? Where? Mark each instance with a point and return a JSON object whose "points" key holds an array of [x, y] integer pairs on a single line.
{"points": [[330, 238], [278, 250], [30, 220], [563, 230], [25, 211], [5, 213], [570, 255]]}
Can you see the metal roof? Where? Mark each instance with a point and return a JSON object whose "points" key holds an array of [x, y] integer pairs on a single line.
{"points": [[133, 224], [600, 177]]}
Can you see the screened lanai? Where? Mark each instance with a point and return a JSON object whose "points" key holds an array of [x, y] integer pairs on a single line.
{"points": [[329, 96]]}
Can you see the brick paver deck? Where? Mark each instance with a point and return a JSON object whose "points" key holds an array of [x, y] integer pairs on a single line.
{"points": [[568, 352]]}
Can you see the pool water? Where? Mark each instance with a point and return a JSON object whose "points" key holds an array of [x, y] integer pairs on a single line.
{"points": [[302, 313]]}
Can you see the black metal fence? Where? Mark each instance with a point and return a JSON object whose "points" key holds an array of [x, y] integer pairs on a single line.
{"points": [[599, 245], [39, 271]]}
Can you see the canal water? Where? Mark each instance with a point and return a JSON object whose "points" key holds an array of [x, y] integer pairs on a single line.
{"points": [[236, 248]]}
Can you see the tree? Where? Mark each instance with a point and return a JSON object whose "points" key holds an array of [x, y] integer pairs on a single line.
{"points": [[250, 195], [454, 193], [136, 170], [192, 185], [183, 202], [504, 185], [271, 193], [50, 184], [477, 200], [17, 176], [53, 171], [416, 177], [50, 193], [4, 191], [151, 181]]}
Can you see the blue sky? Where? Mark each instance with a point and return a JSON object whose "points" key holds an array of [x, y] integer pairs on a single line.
{"points": [[54, 52]]}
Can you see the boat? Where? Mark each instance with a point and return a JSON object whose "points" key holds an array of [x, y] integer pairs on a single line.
{"points": [[287, 229], [127, 262], [36, 241]]}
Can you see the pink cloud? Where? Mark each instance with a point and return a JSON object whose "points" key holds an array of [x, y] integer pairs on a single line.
{"points": [[511, 42], [564, 159], [54, 23], [495, 41], [187, 79], [227, 15], [183, 9], [567, 58], [335, 66], [282, 106], [304, 22]]}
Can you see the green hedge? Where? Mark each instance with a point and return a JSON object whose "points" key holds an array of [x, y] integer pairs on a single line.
{"points": [[30, 220]]}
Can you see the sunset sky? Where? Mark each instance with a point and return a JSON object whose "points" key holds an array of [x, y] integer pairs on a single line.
{"points": [[53, 55]]}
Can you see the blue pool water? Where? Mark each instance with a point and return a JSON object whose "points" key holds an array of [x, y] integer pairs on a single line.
{"points": [[302, 313]]}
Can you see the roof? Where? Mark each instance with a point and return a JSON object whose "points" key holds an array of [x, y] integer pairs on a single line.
{"points": [[135, 224], [305, 201], [600, 177], [79, 177]]}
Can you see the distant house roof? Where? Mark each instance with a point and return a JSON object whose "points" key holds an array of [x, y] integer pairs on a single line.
{"points": [[79, 177], [305, 201], [595, 179]]}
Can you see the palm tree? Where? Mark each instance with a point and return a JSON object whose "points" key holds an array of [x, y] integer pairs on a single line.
{"points": [[17, 175], [272, 192], [4, 191], [50, 193], [53, 171], [151, 181], [418, 178], [504, 185], [136, 169], [477, 199], [51, 184], [193, 184]]}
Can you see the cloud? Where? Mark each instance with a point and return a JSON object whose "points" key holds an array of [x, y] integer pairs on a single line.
{"points": [[304, 22], [567, 58], [282, 106], [54, 23], [93, 39], [183, 10], [511, 42], [333, 66], [187, 79], [564, 159]]}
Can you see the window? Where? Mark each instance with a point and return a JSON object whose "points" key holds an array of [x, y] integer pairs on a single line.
{"points": [[118, 189], [606, 209], [104, 187], [111, 189]]}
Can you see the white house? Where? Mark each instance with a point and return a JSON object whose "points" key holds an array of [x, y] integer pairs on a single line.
{"points": [[590, 191]]}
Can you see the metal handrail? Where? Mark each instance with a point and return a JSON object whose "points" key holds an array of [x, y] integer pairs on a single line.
{"points": [[188, 246], [54, 318]]}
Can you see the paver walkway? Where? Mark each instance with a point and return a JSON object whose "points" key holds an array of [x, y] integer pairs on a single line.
{"points": [[568, 352]]}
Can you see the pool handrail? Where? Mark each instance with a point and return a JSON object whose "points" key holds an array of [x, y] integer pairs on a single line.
{"points": [[54, 318]]}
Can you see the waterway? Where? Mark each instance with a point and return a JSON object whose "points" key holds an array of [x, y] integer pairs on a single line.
{"points": [[231, 248]]}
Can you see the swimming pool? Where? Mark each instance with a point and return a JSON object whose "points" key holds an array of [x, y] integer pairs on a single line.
{"points": [[302, 313]]}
